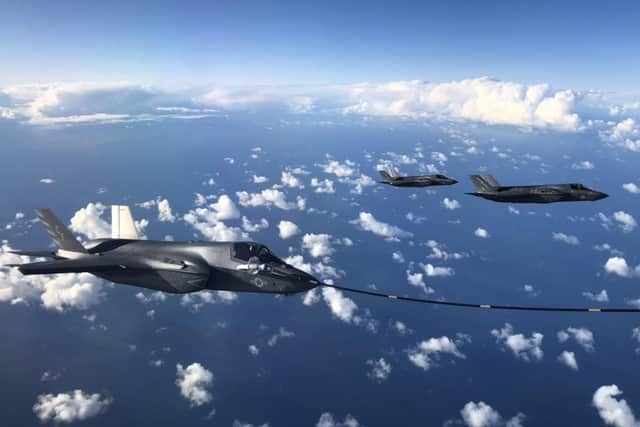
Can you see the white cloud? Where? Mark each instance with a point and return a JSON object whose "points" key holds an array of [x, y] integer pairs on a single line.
{"points": [[398, 257], [152, 298], [290, 180], [88, 221], [482, 415], [195, 301], [522, 347], [237, 423], [254, 350], [282, 333], [601, 296], [481, 232], [367, 222], [481, 99], [209, 220], [417, 280], [318, 245], [380, 369], [433, 271], [56, 292], [257, 179], [324, 186], [438, 251], [68, 407], [342, 307], [47, 180], [618, 265], [625, 220], [450, 204], [165, 214], [252, 227], [583, 165], [635, 335], [616, 412], [288, 229], [568, 358], [267, 198], [327, 420], [631, 188], [194, 383], [424, 354], [582, 336], [341, 170], [565, 238], [225, 208]]}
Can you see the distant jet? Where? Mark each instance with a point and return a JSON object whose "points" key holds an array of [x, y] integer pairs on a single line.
{"points": [[393, 178], [488, 188], [175, 267]]}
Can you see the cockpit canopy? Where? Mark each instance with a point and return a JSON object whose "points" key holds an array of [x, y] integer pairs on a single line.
{"points": [[244, 251], [578, 187], [441, 176]]}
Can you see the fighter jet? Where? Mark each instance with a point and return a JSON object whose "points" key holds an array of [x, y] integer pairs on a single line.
{"points": [[488, 188], [393, 178], [184, 267], [175, 267]]}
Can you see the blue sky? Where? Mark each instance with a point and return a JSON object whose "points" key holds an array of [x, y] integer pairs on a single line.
{"points": [[585, 46]]}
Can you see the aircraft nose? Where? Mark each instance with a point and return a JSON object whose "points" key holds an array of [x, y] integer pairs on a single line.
{"points": [[600, 195], [453, 181]]}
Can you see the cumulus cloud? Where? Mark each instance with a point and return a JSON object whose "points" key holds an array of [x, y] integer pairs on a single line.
{"points": [[417, 280], [339, 169], [328, 420], [434, 271], [380, 369], [195, 301], [282, 333], [55, 292], [68, 407], [618, 265], [583, 165], [568, 358], [565, 238], [324, 186], [252, 227], [287, 229], [483, 415], [257, 179], [438, 251], [88, 221], [631, 188], [450, 204], [583, 336], [481, 232], [269, 197], [425, 354], [209, 220], [522, 347], [194, 383], [368, 222], [290, 180], [613, 411], [318, 245], [626, 222], [47, 180], [601, 296], [165, 214]]}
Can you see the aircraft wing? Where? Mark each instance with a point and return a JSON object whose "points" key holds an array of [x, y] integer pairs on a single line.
{"points": [[86, 264]]}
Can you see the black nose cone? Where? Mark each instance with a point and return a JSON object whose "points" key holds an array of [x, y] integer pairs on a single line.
{"points": [[600, 196]]}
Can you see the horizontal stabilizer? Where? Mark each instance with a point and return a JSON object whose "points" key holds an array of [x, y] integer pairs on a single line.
{"points": [[37, 254], [385, 175]]}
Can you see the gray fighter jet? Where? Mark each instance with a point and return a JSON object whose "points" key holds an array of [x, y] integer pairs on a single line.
{"points": [[175, 267], [183, 267], [393, 178], [488, 188]]}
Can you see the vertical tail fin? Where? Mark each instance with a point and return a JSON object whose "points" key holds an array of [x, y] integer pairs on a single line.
{"points": [[58, 232], [394, 172], [484, 183], [385, 175], [122, 224]]}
